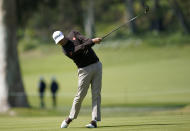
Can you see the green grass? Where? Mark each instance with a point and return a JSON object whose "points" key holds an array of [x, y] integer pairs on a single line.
{"points": [[144, 88], [173, 121], [131, 75]]}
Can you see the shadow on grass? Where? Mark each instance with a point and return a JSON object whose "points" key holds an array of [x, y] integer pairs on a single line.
{"points": [[115, 126], [140, 125]]}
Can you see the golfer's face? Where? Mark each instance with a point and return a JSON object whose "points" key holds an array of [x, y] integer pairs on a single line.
{"points": [[63, 42]]}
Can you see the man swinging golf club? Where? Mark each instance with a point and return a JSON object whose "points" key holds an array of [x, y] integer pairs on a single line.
{"points": [[79, 49]]}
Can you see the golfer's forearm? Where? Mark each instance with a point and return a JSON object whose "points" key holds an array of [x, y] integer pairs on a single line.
{"points": [[87, 44], [77, 49]]}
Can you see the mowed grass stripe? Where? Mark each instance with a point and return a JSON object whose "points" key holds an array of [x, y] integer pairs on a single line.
{"points": [[150, 122], [143, 77]]}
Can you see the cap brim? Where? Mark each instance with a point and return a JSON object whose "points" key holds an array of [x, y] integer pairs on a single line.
{"points": [[59, 39]]}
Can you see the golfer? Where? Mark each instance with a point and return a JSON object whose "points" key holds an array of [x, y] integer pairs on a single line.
{"points": [[79, 49]]}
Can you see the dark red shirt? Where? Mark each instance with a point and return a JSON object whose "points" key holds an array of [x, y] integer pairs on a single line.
{"points": [[79, 49]]}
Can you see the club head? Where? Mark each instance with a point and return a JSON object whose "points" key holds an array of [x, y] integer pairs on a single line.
{"points": [[146, 9]]}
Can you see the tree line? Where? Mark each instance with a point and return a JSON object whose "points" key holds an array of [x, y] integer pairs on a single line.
{"points": [[88, 16]]}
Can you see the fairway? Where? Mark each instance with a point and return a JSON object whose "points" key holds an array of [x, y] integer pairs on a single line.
{"points": [[136, 75], [144, 88], [151, 122]]}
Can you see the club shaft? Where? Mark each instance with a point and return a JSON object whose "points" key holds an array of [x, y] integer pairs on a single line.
{"points": [[132, 19]]}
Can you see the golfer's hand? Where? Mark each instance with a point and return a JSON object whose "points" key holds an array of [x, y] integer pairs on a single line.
{"points": [[97, 40]]}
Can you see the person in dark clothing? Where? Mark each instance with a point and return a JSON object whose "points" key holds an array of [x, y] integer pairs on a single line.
{"points": [[79, 49], [82, 54], [41, 89], [54, 87]]}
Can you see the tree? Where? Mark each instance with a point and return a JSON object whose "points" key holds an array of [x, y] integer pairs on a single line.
{"points": [[131, 13], [142, 2], [89, 22], [26, 8], [157, 22], [12, 92], [180, 15], [69, 15]]}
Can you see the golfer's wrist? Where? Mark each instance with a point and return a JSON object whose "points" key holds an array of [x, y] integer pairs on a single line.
{"points": [[96, 40]]}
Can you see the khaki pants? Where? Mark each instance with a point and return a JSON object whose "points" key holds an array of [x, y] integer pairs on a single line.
{"points": [[91, 74]]}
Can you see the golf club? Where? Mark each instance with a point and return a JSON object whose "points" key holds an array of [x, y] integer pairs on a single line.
{"points": [[132, 19]]}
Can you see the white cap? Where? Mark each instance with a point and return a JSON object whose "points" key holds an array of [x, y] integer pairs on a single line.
{"points": [[57, 36]]}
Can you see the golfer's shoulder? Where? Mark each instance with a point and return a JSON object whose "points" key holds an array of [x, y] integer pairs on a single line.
{"points": [[74, 32]]}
